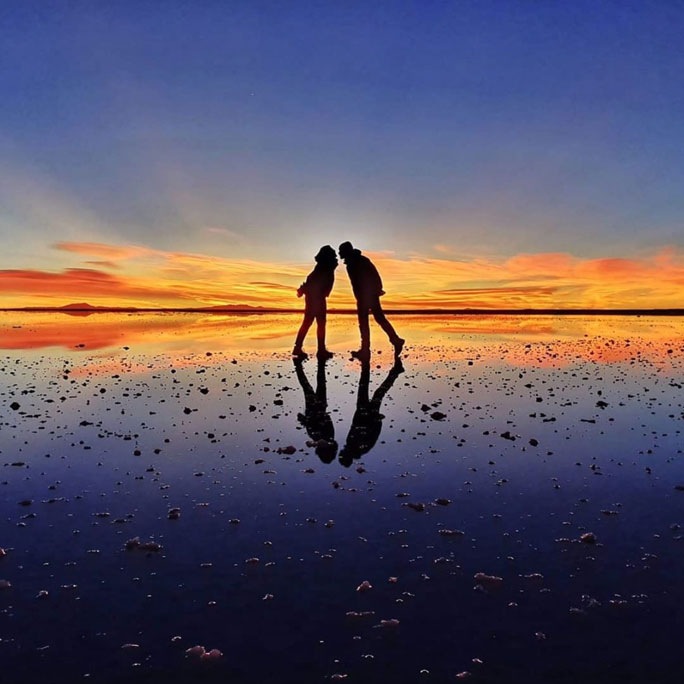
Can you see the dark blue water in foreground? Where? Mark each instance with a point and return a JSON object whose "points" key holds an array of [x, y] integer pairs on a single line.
{"points": [[512, 501]]}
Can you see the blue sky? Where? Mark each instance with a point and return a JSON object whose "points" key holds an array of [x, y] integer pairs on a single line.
{"points": [[263, 129]]}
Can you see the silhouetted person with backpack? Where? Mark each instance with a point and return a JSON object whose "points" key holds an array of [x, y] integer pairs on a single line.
{"points": [[315, 290], [367, 286]]}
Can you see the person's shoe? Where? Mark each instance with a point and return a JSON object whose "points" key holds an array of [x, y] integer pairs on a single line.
{"points": [[324, 355], [299, 354], [398, 346], [361, 354]]}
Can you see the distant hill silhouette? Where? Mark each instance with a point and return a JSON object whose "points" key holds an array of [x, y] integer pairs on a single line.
{"points": [[80, 306]]}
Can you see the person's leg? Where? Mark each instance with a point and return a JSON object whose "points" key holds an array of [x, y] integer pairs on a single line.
{"points": [[382, 321], [364, 326], [322, 352], [303, 329], [320, 329]]}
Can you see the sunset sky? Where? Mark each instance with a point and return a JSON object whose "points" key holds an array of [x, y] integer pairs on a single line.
{"points": [[484, 154]]}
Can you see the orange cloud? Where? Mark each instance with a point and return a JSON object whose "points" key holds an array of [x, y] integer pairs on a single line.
{"points": [[538, 281], [102, 264], [79, 282], [150, 278], [110, 252], [271, 286], [547, 265], [71, 280], [614, 267]]}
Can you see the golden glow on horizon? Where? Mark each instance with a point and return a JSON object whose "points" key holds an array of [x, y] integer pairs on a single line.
{"points": [[518, 340], [136, 276]]}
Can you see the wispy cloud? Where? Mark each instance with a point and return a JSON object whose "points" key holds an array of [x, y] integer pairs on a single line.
{"points": [[102, 264], [82, 283], [272, 286], [224, 232], [538, 280], [104, 251], [149, 277]]}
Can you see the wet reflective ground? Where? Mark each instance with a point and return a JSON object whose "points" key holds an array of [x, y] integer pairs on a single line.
{"points": [[502, 505]]}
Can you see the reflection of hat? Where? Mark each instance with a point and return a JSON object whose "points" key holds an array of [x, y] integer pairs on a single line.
{"points": [[326, 255], [326, 450]]}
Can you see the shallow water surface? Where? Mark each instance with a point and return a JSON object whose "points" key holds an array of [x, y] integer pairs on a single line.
{"points": [[502, 504]]}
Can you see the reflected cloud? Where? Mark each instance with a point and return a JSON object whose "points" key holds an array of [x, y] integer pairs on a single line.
{"points": [[149, 333], [435, 337]]}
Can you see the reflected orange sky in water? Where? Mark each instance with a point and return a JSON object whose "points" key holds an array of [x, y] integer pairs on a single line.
{"points": [[519, 340]]}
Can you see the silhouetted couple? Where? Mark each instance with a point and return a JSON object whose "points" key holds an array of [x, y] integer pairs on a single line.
{"points": [[367, 287], [366, 424]]}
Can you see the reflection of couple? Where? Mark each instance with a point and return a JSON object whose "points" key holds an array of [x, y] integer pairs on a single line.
{"points": [[367, 287], [366, 423]]}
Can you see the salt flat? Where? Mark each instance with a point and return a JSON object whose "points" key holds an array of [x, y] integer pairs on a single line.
{"points": [[503, 504]]}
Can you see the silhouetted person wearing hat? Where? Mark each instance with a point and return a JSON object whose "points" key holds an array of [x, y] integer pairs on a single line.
{"points": [[367, 286], [315, 290], [316, 418], [367, 421]]}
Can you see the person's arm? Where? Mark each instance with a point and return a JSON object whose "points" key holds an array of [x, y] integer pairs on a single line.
{"points": [[305, 286], [376, 279], [328, 283]]}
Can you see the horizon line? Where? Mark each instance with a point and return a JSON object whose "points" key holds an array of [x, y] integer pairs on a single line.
{"points": [[220, 310]]}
